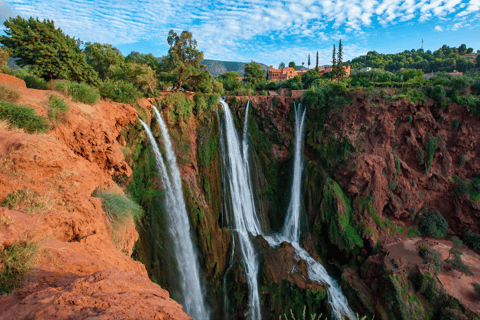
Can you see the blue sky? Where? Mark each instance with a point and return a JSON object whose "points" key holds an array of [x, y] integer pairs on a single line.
{"points": [[266, 31]]}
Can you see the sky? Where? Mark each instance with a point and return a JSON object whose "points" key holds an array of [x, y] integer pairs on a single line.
{"points": [[266, 31]]}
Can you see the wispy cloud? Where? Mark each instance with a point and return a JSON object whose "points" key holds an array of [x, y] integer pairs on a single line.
{"points": [[243, 29], [438, 28]]}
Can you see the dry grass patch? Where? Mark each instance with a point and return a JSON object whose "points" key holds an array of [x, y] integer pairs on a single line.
{"points": [[9, 94], [5, 125], [66, 174], [6, 220], [17, 261], [29, 201]]}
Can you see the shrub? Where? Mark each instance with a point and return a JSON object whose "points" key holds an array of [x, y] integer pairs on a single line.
{"points": [[457, 264], [456, 124], [28, 200], [431, 146], [18, 261], [9, 94], [180, 107], [452, 314], [57, 108], [472, 238], [461, 187], [476, 288], [121, 91], [118, 209], [392, 185], [461, 160], [35, 82], [433, 224], [421, 157], [22, 117], [438, 94], [431, 257], [78, 91], [410, 118]]}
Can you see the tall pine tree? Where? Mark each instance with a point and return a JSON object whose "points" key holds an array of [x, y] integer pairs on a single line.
{"points": [[316, 67], [334, 61], [308, 61], [340, 71]]}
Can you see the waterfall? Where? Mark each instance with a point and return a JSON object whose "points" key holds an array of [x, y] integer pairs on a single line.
{"points": [[243, 219], [179, 227], [291, 228]]}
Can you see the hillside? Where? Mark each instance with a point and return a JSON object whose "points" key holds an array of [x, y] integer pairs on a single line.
{"points": [[217, 67]]}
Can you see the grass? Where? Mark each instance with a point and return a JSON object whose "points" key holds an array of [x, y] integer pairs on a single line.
{"points": [[18, 261], [9, 94], [29, 201], [57, 108], [119, 209], [22, 117], [78, 91]]}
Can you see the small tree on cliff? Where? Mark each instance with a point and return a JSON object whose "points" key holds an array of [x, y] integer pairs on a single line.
{"points": [[184, 58], [48, 51]]}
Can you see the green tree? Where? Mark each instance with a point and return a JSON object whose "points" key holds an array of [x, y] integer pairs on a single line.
{"points": [[291, 64], [309, 77], [478, 61], [462, 49], [141, 76], [340, 72], [433, 224], [103, 58], [253, 73], [469, 50], [334, 60], [48, 51], [183, 58], [308, 61], [281, 65], [476, 288], [148, 59], [316, 66], [229, 80], [457, 264]]}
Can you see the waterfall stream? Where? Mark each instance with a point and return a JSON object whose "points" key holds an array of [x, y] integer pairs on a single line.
{"points": [[193, 295], [246, 221]]}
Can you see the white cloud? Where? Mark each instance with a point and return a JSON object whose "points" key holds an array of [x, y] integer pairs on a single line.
{"points": [[232, 28], [438, 28]]}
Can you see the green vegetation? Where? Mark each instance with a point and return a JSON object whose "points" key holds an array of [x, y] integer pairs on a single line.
{"points": [[476, 288], [17, 262], [433, 224], [79, 91], [22, 117], [430, 147], [431, 257], [9, 94], [443, 59], [336, 212], [46, 50], [457, 264], [180, 107], [461, 160], [56, 109], [421, 157], [472, 238], [253, 73], [28, 200], [35, 82], [120, 91], [427, 285]]}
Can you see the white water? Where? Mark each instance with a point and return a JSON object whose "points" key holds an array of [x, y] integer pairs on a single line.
{"points": [[179, 227], [243, 218], [246, 219]]}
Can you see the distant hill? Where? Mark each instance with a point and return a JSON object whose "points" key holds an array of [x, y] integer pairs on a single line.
{"points": [[216, 67]]}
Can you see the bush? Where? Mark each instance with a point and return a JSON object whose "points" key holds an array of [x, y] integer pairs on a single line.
{"points": [[461, 160], [78, 91], [431, 257], [27, 200], [35, 82], [433, 224], [421, 157], [18, 261], [180, 107], [22, 117], [461, 187], [431, 146], [456, 124], [472, 238], [57, 108], [476, 288], [121, 91], [9, 94], [452, 314]]}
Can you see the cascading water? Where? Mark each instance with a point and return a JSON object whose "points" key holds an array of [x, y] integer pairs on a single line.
{"points": [[243, 219], [179, 226]]}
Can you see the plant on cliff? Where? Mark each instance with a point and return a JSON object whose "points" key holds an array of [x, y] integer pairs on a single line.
{"points": [[120, 91], [457, 264], [57, 108], [104, 58], [78, 91], [476, 289], [183, 58], [34, 82], [48, 51], [9, 94], [22, 117], [472, 238], [29, 201], [336, 212], [17, 262], [431, 257], [433, 224], [430, 147]]}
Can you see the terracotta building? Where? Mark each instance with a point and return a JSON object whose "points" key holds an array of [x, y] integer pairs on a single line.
{"points": [[288, 73]]}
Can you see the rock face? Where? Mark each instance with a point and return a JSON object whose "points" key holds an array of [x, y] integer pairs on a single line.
{"points": [[80, 272]]}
